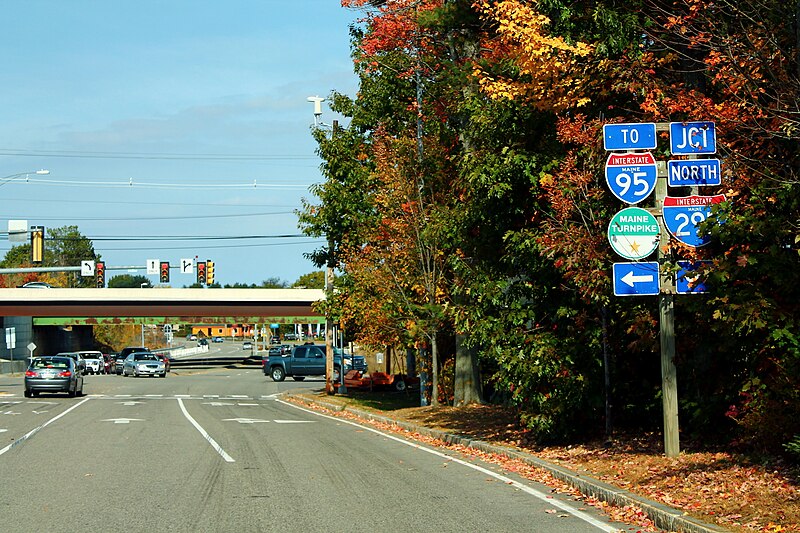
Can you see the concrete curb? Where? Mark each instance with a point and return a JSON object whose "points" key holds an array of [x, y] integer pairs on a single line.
{"points": [[662, 516]]}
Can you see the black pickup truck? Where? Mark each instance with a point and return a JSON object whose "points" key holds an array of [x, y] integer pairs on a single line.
{"points": [[309, 360]]}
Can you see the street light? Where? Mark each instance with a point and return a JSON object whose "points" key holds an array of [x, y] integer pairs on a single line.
{"points": [[12, 177]]}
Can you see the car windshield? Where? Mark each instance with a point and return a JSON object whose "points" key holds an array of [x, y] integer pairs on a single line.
{"points": [[53, 362], [145, 357]]}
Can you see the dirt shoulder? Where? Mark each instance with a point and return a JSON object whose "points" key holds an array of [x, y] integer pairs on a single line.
{"points": [[717, 487]]}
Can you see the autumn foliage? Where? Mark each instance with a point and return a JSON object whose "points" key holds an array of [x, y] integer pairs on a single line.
{"points": [[474, 156]]}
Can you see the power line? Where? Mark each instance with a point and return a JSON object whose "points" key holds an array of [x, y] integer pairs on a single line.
{"points": [[131, 184], [149, 218], [156, 155]]}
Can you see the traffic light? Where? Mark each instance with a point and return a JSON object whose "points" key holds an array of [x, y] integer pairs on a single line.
{"points": [[100, 274], [201, 272], [209, 272], [37, 244], [164, 272]]}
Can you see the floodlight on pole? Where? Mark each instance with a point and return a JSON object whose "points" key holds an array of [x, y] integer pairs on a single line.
{"points": [[12, 177], [317, 101]]}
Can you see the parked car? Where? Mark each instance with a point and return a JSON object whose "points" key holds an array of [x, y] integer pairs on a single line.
{"points": [[53, 374], [36, 285], [280, 349], [143, 364], [217, 339], [119, 360], [247, 345], [275, 340], [165, 359], [95, 363], [290, 337], [78, 358], [191, 337]]}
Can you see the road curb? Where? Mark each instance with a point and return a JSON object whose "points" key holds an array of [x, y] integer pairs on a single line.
{"points": [[663, 516]]}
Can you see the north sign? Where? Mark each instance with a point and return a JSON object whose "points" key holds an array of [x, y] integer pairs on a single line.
{"points": [[629, 136], [636, 279], [631, 177], [682, 216], [694, 172], [692, 138], [633, 233]]}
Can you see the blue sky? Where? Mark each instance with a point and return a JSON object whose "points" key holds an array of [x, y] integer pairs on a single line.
{"points": [[200, 105]]}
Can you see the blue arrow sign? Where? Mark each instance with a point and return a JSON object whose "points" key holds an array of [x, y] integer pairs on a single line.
{"points": [[687, 280], [631, 177], [683, 216], [629, 136], [690, 138], [694, 172], [636, 279]]}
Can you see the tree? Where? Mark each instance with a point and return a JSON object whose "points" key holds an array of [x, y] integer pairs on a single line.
{"points": [[127, 281], [312, 280]]}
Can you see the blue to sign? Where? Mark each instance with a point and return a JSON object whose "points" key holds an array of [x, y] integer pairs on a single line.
{"points": [[636, 279], [689, 138], [694, 172], [629, 136], [687, 281]]}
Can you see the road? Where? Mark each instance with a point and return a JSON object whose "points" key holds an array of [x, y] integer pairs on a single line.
{"points": [[219, 450]]}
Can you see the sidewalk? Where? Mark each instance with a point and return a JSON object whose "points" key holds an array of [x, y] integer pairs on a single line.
{"points": [[663, 517]]}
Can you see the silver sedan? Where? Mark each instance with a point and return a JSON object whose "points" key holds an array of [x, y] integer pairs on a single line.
{"points": [[143, 364]]}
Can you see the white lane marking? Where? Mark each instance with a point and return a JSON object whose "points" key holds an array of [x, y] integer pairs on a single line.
{"points": [[205, 435], [245, 420], [247, 404], [12, 413], [293, 421], [508, 481], [243, 396], [122, 420], [35, 430], [153, 395], [34, 411], [210, 395], [183, 396], [43, 403], [132, 402], [3, 430], [123, 395], [217, 404]]}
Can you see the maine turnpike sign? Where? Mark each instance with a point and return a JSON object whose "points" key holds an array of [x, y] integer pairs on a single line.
{"points": [[634, 233]]}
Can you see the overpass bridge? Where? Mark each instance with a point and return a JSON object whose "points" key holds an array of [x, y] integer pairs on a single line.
{"points": [[161, 306], [61, 319]]}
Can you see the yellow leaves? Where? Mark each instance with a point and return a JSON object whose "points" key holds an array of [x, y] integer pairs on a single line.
{"points": [[558, 72]]}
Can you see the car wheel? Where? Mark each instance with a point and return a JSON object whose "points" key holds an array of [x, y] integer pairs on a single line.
{"points": [[71, 393], [399, 384], [27, 393], [79, 392], [278, 374], [163, 375]]}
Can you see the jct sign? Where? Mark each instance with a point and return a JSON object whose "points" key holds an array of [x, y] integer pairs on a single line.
{"points": [[682, 216]]}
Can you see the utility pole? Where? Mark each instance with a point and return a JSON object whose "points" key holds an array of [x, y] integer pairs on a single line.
{"points": [[330, 387]]}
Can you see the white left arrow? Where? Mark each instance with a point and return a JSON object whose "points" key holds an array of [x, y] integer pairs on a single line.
{"points": [[630, 278]]}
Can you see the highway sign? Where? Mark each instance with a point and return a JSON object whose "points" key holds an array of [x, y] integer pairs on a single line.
{"points": [[631, 177], [87, 268], [636, 279], [690, 138], [682, 216], [687, 280], [187, 266], [633, 233], [629, 136], [694, 172]]}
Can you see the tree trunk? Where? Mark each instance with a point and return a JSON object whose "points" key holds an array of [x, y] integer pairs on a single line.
{"points": [[435, 370], [467, 379]]}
